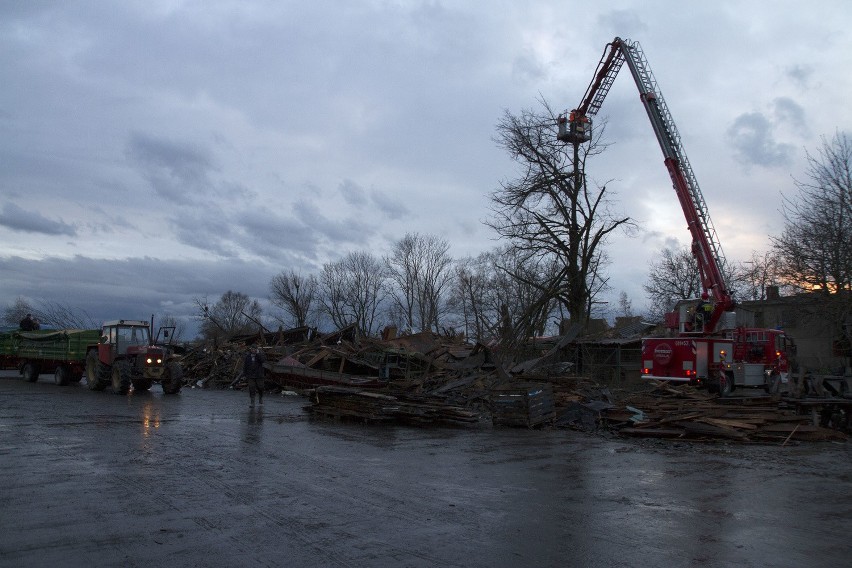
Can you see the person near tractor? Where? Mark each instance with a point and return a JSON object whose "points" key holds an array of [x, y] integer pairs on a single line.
{"points": [[254, 374], [28, 323]]}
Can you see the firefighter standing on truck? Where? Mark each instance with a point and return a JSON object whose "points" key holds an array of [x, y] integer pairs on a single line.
{"points": [[702, 312]]}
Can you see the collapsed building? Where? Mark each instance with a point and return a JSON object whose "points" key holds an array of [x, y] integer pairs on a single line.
{"points": [[586, 382]]}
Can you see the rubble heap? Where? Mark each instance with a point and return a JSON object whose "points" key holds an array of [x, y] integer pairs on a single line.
{"points": [[426, 378]]}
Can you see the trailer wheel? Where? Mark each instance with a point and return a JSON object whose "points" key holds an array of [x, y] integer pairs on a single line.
{"points": [[30, 372], [97, 374], [62, 376], [173, 378], [121, 377], [141, 384]]}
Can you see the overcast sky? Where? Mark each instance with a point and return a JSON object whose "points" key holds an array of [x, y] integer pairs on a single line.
{"points": [[156, 151]]}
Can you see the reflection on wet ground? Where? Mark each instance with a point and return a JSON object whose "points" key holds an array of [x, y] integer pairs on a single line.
{"points": [[201, 479]]}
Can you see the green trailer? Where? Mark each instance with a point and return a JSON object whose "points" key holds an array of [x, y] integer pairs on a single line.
{"points": [[62, 352]]}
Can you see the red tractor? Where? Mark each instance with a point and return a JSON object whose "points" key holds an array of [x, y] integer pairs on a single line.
{"points": [[126, 356]]}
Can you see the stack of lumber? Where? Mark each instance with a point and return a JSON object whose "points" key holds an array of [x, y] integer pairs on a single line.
{"points": [[684, 412], [369, 406]]}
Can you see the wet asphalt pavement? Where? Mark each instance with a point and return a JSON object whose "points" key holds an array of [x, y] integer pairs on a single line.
{"points": [[199, 479]]}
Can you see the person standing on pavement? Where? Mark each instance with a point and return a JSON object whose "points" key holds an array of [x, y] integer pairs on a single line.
{"points": [[27, 323], [253, 371]]}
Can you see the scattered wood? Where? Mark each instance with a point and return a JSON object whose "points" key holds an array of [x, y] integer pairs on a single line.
{"points": [[425, 378]]}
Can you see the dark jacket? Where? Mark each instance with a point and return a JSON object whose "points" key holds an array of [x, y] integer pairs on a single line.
{"points": [[253, 365]]}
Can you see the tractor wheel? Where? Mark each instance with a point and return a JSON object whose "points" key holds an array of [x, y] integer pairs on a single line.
{"points": [[30, 372], [141, 384], [121, 377], [172, 380], [97, 374], [62, 376]]}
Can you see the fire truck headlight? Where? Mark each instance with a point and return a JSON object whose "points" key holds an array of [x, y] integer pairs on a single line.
{"points": [[159, 361], [148, 360]]}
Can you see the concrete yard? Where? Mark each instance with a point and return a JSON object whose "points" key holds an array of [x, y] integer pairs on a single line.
{"points": [[199, 479]]}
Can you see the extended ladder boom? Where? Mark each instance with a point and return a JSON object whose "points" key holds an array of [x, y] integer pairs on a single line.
{"points": [[576, 128]]}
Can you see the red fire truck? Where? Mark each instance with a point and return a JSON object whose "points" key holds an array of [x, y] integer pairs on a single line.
{"points": [[706, 345]]}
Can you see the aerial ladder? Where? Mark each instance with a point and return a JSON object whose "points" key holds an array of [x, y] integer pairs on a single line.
{"points": [[576, 127]]}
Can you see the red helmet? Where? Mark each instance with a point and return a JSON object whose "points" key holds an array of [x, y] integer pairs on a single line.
{"points": [[704, 295]]}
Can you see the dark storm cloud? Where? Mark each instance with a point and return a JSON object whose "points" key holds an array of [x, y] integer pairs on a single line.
{"points": [[178, 171], [278, 238], [350, 230], [800, 74], [790, 113], [19, 219], [353, 193], [392, 208], [752, 137], [205, 231], [132, 287]]}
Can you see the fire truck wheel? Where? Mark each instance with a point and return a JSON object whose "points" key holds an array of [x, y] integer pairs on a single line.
{"points": [[121, 377], [62, 376], [30, 372], [97, 374], [141, 384], [712, 385], [173, 378]]}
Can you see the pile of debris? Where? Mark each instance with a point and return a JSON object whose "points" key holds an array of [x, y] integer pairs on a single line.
{"points": [[682, 411], [344, 402], [426, 378]]}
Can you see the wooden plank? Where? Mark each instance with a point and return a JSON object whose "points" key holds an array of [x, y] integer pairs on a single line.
{"points": [[712, 430], [727, 423]]}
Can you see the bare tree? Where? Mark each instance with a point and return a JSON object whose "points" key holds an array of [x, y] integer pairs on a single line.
{"points": [[419, 269], [179, 325], [551, 215], [674, 277], [352, 289], [756, 275], [815, 248], [295, 294], [498, 295], [474, 297], [234, 314], [51, 315], [625, 306], [16, 311]]}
